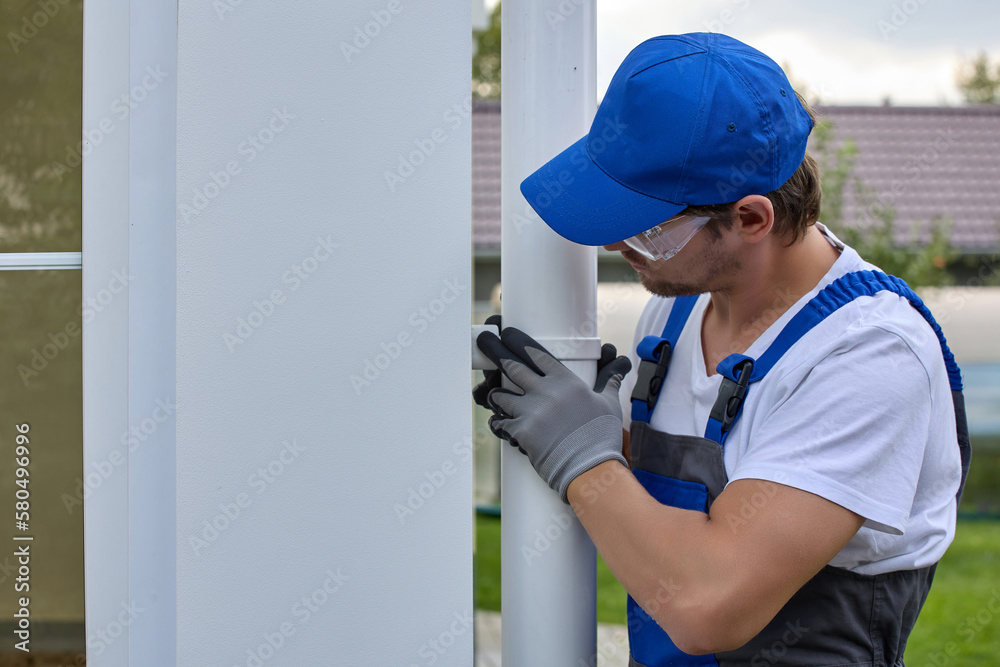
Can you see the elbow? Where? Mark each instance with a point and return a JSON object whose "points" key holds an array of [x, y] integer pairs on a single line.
{"points": [[706, 640], [699, 626]]}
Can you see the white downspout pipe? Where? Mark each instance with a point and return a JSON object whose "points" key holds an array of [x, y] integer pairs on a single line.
{"points": [[549, 290]]}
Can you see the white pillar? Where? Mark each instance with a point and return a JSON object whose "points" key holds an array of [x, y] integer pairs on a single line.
{"points": [[549, 290], [324, 467], [304, 294]]}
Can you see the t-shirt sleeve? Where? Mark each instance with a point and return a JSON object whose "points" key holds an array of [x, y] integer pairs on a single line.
{"points": [[849, 424]]}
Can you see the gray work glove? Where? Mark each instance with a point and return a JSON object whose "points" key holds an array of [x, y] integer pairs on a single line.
{"points": [[563, 425]]}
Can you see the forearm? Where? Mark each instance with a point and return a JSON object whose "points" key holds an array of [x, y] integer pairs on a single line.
{"points": [[712, 581], [679, 565]]}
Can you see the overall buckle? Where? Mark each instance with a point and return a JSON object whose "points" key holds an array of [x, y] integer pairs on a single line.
{"points": [[731, 394], [650, 374]]}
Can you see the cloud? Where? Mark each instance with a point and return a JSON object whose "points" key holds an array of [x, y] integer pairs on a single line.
{"points": [[834, 48]]}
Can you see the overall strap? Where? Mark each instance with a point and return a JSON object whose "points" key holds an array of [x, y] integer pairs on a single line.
{"points": [[654, 359], [739, 371]]}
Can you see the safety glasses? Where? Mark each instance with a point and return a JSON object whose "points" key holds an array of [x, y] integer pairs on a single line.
{"points": [[667, 238]]}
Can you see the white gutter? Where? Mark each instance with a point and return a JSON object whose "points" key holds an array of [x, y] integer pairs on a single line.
{"points": [[549, 290]]}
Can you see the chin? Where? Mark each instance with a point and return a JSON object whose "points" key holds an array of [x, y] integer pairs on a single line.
{"points": [[666, 288]]}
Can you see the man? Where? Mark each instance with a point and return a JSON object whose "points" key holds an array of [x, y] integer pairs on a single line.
{"points": [[795, 459]]}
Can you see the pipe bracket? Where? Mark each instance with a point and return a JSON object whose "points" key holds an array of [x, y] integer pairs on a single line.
{"points": [[563, 349]]}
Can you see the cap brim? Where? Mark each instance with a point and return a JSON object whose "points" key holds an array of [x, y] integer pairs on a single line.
{"points": [[580, 202]]}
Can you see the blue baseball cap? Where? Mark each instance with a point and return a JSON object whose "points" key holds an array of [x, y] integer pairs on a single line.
{"points": [[688, 120]]}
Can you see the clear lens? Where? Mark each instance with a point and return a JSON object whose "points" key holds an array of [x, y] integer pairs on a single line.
{"points": [[666, 240]]}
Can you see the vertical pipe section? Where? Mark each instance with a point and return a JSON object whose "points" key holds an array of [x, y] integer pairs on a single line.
{"points": [[549, 290]]}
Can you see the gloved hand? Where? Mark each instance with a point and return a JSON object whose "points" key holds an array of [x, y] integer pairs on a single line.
{"points": [[563, 425], [491, 379]]}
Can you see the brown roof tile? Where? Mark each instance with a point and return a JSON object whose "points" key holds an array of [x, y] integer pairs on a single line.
{"points": [[924, 161]]}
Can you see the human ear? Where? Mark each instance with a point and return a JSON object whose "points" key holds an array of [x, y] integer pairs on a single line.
{"points": [[754, 217]]}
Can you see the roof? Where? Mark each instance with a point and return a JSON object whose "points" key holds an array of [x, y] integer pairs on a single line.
{"points": [[924, 161], [486, 174]]}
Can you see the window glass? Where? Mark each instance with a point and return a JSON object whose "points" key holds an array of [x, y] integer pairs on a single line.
{"points": [[40, 358], [41, 401], [40, 125]]}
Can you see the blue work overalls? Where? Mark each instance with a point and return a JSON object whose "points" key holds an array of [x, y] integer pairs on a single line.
{"points": [[852, 619]]}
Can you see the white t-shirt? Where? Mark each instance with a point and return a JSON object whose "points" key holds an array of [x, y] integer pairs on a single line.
{"points": [[858, 411]]}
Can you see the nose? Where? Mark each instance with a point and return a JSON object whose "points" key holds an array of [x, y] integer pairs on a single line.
{"points": [[616, 247]]}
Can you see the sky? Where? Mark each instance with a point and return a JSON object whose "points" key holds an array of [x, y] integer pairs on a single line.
{"points": [[840, 51]]}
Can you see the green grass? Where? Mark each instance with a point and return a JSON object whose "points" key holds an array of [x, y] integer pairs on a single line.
{"points": [[959, 626], [610, 594], [960, 623]]}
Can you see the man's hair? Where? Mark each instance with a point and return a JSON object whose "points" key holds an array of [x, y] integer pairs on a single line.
{"points": [[796, 203]]}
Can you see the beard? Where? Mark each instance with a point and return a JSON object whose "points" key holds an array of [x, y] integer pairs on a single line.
{"points": [[709, 273], [667, 288]]}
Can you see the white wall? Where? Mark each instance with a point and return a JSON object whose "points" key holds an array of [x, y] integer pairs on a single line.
{"points": [[304, 471]]}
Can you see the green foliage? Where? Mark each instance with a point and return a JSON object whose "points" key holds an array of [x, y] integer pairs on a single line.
{"points": [[836, 165], [979, 81], [916, 262], [921, 258], [486, 60], [960, 613]]}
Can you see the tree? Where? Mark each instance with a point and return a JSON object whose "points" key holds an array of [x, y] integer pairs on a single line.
{"points": [[979, 81], [486, 59]]}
